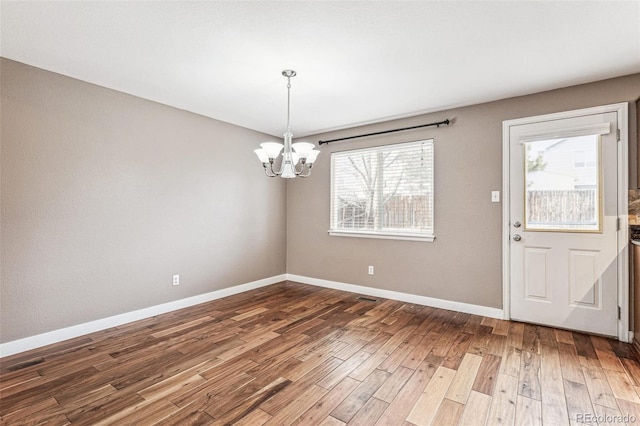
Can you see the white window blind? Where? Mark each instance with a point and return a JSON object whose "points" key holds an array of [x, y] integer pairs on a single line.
{"points": [[383, 192]]}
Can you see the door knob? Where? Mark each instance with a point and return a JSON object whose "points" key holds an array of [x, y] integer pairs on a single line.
{"points": [[517, 224], [517, 237]]}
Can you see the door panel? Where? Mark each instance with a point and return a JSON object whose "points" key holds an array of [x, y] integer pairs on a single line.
{"points": [[584, 286], [563, 190], [536, 278]]}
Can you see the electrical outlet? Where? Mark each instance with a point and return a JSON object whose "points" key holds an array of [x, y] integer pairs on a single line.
{"points": [[495, 196], [370, 270], [176, 280]]}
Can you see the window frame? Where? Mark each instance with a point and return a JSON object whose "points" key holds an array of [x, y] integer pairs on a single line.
{"points": [[411, 235]]}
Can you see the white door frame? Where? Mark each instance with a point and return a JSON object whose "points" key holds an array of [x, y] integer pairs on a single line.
{"points": [[622, 110]]}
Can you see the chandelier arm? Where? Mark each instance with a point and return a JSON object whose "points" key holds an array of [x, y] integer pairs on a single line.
{"points": [[279, 172], [266, 170], [295, 169], [308, 170], [282, 163], [270, 169]]}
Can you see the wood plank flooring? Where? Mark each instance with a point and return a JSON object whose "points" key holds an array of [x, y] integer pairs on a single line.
{"points": [[296, 354]]}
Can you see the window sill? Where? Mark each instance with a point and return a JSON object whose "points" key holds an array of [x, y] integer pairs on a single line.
{"points": [[384, 236]]}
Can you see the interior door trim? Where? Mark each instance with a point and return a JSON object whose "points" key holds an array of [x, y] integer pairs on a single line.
{"points": [[622, 111]]}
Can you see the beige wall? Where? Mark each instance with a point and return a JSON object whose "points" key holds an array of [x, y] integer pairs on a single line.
{"points": [[105, 196], [464, 263]]}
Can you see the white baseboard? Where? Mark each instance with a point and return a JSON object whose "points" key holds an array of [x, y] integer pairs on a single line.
{"points": [[56, 336], [403, 297], [32, 342]]}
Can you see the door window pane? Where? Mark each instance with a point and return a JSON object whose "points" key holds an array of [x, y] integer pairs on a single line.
{"points": [[562, 183]]}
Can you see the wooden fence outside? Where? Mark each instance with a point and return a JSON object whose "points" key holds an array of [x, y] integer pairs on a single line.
{"points": [[573, 208], [400, 212]]}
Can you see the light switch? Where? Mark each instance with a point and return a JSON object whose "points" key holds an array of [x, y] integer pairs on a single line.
{"points": [[495, 196]]}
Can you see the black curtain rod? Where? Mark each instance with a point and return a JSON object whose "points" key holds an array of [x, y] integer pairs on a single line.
{"points": [[438, 124]]}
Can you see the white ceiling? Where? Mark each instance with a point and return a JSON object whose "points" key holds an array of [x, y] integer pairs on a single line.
{"points": [[357, 62]]}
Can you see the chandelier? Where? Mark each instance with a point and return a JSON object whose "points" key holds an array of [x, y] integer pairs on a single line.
{"points": [[297, 158]]}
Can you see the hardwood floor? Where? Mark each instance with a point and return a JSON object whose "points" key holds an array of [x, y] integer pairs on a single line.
{"points": [[296, 354]]}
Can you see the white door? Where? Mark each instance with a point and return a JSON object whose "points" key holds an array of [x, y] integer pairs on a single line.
{"points": [[563, 222]]}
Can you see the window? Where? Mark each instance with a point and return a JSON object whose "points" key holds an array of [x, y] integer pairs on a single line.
{"points": [[383, 192], [560, 197]]}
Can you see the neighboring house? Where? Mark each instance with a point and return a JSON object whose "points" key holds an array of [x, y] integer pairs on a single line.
{"points": [[566, 164]]}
